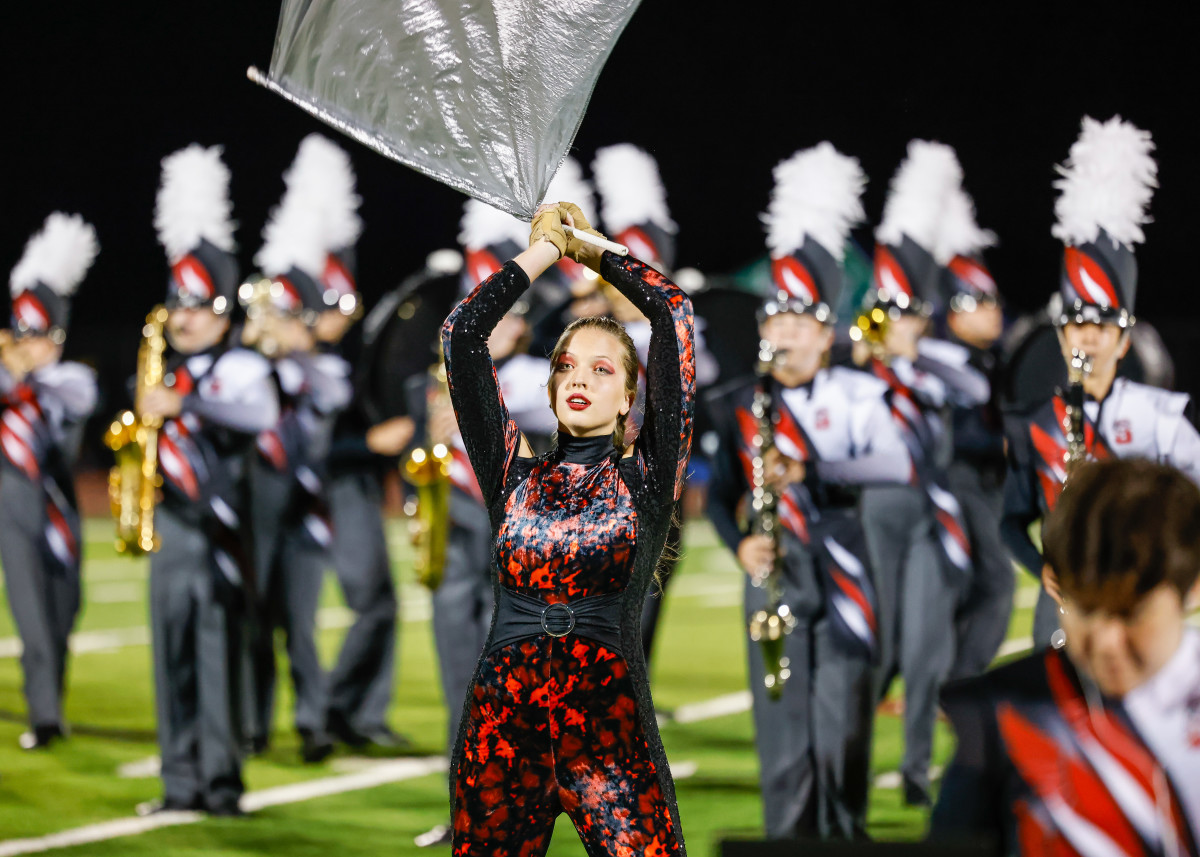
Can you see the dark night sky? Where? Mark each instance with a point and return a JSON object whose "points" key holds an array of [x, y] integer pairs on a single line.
{"points": [[98, 93]]}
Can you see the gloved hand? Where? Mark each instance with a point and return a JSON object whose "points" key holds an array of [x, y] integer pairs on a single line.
{"points": [[548, 225], [581, 252]]}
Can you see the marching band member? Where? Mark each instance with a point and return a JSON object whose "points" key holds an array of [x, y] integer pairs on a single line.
{"points": [[363, 678], [577, 534], [463, 599], [291, 523], [1106, 185], [916, 533], [1094, 749], [44, 403], [974, 321], [829, 431], [214, 399]]}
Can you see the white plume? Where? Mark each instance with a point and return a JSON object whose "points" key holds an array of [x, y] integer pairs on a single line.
{"points": [[58, 256], [318, 214], [569, 185], [918, 193], [193, 202], [482, 225], [959, 234], [631, 190], [816, 195], [1106, 183]]}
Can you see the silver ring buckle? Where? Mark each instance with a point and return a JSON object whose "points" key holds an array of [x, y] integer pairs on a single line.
{"points": [[560, 622]]}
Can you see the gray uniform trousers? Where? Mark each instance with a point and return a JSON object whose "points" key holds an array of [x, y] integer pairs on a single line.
{"points": [[360, 685], [462, 604], [196, 647], [814, 742], [43, 597], [983, 619], [289, 570], [918, 598]]}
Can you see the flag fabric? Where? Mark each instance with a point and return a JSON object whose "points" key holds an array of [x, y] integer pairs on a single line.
{"points": [[482, 95]]}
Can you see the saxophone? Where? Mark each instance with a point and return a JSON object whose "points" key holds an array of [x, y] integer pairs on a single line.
{"points": [[769, 626], [133, 482], [428, 470], [1079, 367]]}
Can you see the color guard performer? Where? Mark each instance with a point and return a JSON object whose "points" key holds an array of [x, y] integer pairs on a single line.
{"points": [[916, 533], [291, 523], [44, 403], [1094, 749], [826, 432], [214, 399], [1106, 185]]}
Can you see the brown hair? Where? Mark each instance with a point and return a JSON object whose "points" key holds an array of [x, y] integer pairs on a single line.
{"points": [[629, 361], [1121, 528]]}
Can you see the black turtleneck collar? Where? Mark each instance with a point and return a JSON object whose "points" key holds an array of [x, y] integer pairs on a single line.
{"points": [[585, 450]]}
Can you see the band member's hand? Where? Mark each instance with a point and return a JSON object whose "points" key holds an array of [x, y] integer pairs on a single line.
{"points": [[781, 471], [577, 220], [1050, 582], [756, 554], [161, 402], [548, 226], [390, 436], [442, 423]]}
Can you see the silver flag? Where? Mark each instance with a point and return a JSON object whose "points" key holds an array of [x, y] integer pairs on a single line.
{"points": [[483, 95]]}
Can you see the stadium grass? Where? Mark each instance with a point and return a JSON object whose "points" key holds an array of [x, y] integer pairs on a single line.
{"points": [[700, 654]]}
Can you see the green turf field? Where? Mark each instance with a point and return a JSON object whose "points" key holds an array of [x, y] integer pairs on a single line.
{"points": [[700, 656]]}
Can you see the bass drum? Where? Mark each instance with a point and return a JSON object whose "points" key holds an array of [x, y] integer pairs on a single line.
{"points": [[1035, 369], [402, 335]]}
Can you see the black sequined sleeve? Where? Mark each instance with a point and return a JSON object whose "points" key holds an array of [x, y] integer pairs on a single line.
{"points": [[489, 435], [665, 441]]}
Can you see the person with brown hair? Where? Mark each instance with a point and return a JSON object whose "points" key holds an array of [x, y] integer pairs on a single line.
{"points": [[559, 716], [1094, 748]]}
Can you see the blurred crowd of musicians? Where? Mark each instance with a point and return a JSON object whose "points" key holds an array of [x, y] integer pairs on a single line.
{"points": [[876, 447]]}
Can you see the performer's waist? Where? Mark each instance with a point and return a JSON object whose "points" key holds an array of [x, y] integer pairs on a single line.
{"points": [[521, 617]]}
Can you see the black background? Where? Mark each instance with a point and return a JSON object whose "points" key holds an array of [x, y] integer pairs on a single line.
{"points": [[97, 93]]}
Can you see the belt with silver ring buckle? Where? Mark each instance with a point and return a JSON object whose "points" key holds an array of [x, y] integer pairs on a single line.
{"points": [[553, 619]]}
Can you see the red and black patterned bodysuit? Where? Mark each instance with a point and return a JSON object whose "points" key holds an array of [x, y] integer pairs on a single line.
{"points": [[565, 723]]}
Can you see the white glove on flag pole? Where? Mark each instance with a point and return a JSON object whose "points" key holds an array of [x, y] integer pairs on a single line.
{"points": [[482, 95]]}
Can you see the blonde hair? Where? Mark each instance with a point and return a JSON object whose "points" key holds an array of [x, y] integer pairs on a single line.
{"points": [[629, 361]]}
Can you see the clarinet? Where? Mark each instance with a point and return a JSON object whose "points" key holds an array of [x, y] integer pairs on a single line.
{"points": [[769, 626], [1079, 367]]}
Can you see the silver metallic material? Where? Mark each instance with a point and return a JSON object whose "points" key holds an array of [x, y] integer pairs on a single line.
{"points": [[483, 95]]}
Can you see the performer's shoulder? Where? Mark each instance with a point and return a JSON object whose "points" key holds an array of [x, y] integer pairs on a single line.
{"points": [[858, 384], [1142, 397], [1023, 679], [244, 362]]}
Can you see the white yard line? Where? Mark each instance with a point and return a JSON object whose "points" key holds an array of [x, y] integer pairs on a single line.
{"points": [[91, 642], [720, 706], [384, 772]]}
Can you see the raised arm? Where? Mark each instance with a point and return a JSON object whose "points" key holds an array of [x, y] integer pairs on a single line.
{"points": [[488, 433], [666, 436]]}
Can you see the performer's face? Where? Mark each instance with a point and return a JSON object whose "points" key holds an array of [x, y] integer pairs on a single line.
{"points": [[193, 329], [588, 384], [1104, 343], [1121, 648], [980, 326], [37, 351], [803, 340]]}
